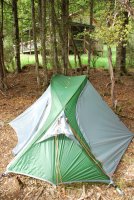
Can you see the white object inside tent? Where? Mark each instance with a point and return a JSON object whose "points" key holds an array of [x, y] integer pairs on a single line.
{"points": [[60, 126]]}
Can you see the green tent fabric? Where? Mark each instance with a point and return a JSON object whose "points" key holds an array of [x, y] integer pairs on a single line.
{"points": [[69, 135]]}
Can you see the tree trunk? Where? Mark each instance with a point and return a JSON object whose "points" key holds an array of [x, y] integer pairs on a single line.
{"points": [[76, 51], [111, 75], [2, 36], [40, 22], [121, 50], [91, 3], [53, 28], [110, 61], [16, 35], [60, 37], [2, 67], [65, 31], [118, 56], [35, 42], [123, 69], [43, 39]]}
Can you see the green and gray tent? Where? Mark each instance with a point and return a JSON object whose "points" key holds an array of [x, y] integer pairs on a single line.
{"points": [[69, 135]]}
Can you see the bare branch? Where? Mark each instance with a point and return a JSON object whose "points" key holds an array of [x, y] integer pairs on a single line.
{"points": [[127, 7]]}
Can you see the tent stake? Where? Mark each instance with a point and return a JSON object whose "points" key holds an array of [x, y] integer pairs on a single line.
{"points": [[120, 192], [2, 176]]}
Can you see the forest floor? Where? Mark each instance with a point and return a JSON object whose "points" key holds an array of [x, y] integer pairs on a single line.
{"points": [[22, 92]]}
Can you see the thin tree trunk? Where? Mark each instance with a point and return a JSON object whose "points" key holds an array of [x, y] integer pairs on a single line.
{"points": [[2, 46], [51, 56], [53, 28], [16, 35], [118, 56], [76, 51], [65, 30], [61, 38], [43, 38], [40, 22], [60, 33], [2, 67], [121, 50], [111, 75], [111, 64], [35, 42], [22, 45], [123, 69], [91, 3], [75, 57], [30, 41]]}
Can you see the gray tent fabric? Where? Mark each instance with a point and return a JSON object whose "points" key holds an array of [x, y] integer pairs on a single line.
{"points": [[105, 134], [27, 123]]}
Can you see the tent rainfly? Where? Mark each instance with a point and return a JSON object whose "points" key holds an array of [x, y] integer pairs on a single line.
{"points": [[69, 135]]}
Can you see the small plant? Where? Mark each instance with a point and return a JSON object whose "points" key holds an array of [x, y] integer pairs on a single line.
{"points": [[95, 57]]}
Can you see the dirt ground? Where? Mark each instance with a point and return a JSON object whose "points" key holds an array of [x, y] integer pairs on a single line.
{"points": [[22, 92]]}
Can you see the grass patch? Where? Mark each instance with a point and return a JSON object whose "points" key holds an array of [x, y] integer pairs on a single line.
{"points": [[101, 61], [28, 59]]}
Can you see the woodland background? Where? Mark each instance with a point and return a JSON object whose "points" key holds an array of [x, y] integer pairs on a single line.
{"points": [[106, 57]]}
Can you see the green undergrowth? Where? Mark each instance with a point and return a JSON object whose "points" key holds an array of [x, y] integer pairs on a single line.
{"points": [[101, 61]]}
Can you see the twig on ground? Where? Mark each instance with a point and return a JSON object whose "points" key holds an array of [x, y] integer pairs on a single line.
{"points": [[39, 194], [3, 93], [28, 194]]}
